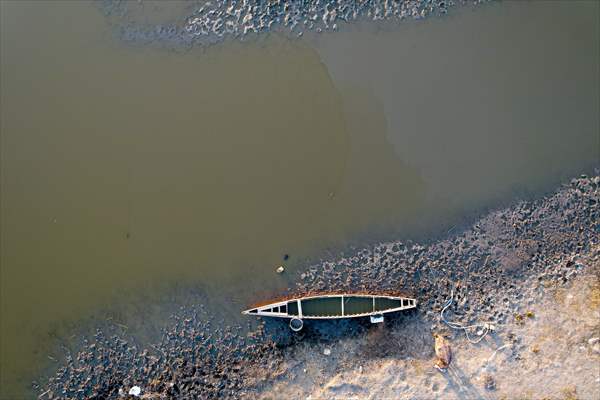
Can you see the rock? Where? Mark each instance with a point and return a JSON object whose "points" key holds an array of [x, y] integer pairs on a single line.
{"points": [[135, 391]]}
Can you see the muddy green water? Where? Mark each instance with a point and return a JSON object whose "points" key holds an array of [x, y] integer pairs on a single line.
{"points": [[125, 170]]}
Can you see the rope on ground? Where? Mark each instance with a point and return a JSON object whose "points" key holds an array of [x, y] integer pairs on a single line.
{"points": [[491, 358], [482, 328], [487, 366]]}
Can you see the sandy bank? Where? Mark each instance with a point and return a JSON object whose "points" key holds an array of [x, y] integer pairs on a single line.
{"points": [[549, 349]]}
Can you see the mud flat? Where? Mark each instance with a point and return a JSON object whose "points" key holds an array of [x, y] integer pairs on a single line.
{"points": [[214, 21], [530, 269]]}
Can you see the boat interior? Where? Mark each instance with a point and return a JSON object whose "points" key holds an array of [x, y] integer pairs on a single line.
{"points": [[334, 306]]}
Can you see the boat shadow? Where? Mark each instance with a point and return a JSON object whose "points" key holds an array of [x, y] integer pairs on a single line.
{"points": [[402, 335]]}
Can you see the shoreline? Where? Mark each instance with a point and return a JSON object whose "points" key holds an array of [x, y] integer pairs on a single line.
{"points": [[515, 246]]}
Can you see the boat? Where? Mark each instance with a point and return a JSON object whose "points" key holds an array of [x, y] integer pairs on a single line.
{"points": [[333, 306]]}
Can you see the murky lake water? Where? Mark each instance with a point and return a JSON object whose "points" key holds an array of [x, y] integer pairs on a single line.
{"points": [[129, 169]]}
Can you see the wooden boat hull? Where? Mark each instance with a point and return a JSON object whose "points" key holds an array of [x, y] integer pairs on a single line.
{"points": [[334, 306]]}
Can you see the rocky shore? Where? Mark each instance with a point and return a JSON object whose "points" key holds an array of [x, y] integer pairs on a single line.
{"points": [[213, 21], [495, 268]]}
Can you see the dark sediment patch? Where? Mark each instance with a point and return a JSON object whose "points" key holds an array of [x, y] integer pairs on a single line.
{"points": [[484, 263]]}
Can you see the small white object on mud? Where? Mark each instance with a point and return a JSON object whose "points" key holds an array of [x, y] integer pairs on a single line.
{"points": [[280, 269], [376, 319], [327, 352], [135, 391]]}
